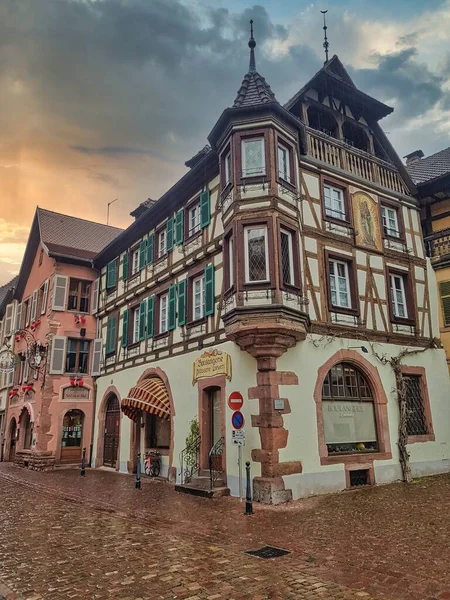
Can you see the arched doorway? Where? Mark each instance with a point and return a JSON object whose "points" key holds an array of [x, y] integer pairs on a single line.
{"points": [[348, 411], [72, 437], [12, 440], [26, 430], [112, 432]]}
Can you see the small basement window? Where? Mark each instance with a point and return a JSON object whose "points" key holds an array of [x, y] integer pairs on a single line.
{"points": [[359, 477]]}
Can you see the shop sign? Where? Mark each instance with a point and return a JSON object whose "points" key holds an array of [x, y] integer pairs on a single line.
{"points": [[75, 393], [210, 364], [348, 422]]}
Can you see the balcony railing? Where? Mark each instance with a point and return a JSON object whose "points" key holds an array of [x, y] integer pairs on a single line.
{"points": [[338, 154], [438, 245]]}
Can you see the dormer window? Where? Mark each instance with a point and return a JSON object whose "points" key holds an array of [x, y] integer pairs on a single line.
{"points": [[253, 157]]}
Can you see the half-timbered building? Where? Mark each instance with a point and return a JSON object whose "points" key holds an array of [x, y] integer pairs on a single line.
{"points": [[288, 265]]}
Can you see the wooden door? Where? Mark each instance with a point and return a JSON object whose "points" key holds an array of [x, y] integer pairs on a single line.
{"points": [[112, 430]]}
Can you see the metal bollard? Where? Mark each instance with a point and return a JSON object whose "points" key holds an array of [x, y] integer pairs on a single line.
{"points": [[138, 472], [83, 463], [248, 497]]}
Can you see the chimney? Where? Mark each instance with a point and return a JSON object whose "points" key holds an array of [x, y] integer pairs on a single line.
{"points": [[143, 206], [414, 157]]}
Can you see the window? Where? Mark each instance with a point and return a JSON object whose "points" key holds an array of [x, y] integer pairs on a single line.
{"points": [[41, 256], [162, 243], [157, 431], [72, 429], [398, 297], [334, 202], [339, 284], [287, 257], [198, 298], [253, 158], [348, 411], [227, 167], [79, 293], [27, 311], [134, 261], [77, 357], [42, 298], [284, 171], [444, 290], [194, 219], [256, 254], [389, 217], [136, 324], [230, 262], [416, 422], [163, 306]]}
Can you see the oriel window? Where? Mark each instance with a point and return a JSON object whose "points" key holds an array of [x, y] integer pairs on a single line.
{"points": [[253, 157], [287, 257], [283, 163], [256, 254]]}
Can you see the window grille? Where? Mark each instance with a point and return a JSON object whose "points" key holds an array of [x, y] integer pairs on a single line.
{"points": [[415, 419]]}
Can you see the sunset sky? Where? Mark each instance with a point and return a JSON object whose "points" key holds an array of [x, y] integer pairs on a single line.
{"points": [[104, 99]]}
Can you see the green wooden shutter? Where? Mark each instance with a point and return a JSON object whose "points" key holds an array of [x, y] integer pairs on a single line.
{"points": [[205, 209], [169, 235], [172, 307], [150, 244], [142, 317], [209, 290], [179, 227], [150, 316], [111, 335], [125, 266], [111, 274], [125, 329], [182, 302], [142, 254], [444, 289]]}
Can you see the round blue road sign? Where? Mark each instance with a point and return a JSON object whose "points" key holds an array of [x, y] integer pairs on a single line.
{"points": [[237, 420]]}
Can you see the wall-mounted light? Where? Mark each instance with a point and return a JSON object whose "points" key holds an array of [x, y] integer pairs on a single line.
{"points": [[362, 348]]}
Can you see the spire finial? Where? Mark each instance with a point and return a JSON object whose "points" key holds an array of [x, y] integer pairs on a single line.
{"points": [[251, 45], [325, 44]]}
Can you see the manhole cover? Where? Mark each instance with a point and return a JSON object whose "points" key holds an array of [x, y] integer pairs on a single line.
{"points": [[268, 552]]}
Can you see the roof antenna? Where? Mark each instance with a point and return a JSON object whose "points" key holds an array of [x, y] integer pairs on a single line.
{"points": [[251, 45], [326, 43], [107, 211]]}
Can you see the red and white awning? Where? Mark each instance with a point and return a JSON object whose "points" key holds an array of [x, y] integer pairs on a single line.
{"points": [[149, 395]]}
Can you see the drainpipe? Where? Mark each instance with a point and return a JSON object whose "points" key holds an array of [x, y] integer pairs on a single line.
{"points": [[91, 447]]}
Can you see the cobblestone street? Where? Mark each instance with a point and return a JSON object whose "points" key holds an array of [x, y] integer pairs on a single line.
{"points": [[62, 536]]}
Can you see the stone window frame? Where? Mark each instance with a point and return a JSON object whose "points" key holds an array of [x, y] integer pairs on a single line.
{"points": [[355, 461]]}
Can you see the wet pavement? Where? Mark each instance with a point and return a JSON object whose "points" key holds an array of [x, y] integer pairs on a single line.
{"points": [[63, 536]]}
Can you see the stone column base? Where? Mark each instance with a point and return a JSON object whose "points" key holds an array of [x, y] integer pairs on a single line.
{"points": [[270, 490], [35, 460]]}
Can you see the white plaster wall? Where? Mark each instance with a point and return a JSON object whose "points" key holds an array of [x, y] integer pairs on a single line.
{"points": [[185, 396]]}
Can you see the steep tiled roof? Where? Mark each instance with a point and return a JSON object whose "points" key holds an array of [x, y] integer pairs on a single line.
{"points": [[430, 167], [5, 289], [254, 90], [73, 237]]}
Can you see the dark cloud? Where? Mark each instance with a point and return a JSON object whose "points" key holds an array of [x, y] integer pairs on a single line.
{"points": [[400, 79], [115, 151]]}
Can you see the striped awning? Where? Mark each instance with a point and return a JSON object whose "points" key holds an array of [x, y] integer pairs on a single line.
{"points": [[149, 395]]}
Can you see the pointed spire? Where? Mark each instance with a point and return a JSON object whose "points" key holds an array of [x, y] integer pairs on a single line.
{"points": [[325, 43], [251, 45]]}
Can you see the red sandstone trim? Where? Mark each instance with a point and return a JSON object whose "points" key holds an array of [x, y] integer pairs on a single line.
{"points": [[380, 407], [101, 418], [204, 418]]}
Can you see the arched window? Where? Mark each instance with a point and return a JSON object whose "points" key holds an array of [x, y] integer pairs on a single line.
{"points": [[321, 120], [348, 411]]}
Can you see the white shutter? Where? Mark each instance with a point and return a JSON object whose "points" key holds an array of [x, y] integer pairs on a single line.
{"points": [[96, 357], [34, 306], [94, 299], [18, 324], [44, 298], [58, 355], [9, 320], [59, 292]]}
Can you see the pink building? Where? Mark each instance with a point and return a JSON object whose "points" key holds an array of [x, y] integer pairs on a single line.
{"points": [[50, 408]]}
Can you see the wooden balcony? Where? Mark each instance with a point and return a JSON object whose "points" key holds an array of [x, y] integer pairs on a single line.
{"points": [[338, 154], [438, 246]]}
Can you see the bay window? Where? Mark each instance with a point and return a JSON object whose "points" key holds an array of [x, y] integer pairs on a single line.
{"points": [[287, 257], [227, 168], [253, 157], [256, 254], [284, 170]]}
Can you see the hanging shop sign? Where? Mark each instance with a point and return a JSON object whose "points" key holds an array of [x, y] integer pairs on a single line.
{"points": [[8, 361], [210, 364]]}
